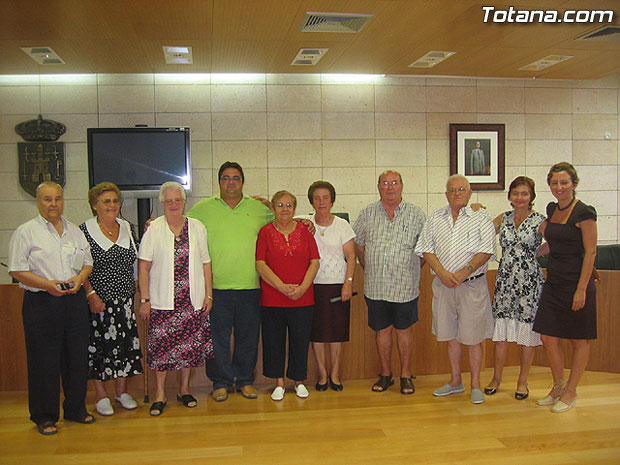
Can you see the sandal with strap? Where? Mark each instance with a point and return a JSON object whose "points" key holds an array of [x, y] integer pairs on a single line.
{"points": [[383, 383], [44, 426], [406, 386], [188, 400], [87, 420], [157, 408]]}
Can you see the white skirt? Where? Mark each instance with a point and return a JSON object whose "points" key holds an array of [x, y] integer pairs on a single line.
{"points": [[510, 330]]}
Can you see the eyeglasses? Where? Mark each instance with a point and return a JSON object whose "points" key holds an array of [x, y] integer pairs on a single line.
{"points": [[389, 183], [282, 205], [230, 178], [454, 191], [108, 202], [174, 202]]}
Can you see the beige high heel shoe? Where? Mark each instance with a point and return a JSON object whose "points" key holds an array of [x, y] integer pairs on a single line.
{"points": [[550, 399]]}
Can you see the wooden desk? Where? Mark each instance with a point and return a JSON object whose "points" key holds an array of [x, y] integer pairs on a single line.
{"points": [[360, 359]]}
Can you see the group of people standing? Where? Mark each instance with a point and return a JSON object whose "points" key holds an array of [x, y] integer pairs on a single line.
{"points": [[394, 240], [235, 264]]}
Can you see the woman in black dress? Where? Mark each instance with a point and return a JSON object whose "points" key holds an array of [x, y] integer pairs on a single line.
{"points": [[567, 307], [114, 348]]}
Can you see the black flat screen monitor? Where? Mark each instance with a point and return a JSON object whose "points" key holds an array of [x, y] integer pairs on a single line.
{"points": [[139, 160]]}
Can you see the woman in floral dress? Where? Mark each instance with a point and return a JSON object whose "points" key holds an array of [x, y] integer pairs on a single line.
{"points": [[519, 283], [176, 295], [114, 348]]}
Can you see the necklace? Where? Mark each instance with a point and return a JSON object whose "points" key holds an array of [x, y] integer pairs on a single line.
{"points": [[318, 226], [321, 231], [109, 233], [564, 208]]}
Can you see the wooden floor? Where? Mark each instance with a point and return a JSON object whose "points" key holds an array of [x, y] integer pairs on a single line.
{"points": [[355, 426]]}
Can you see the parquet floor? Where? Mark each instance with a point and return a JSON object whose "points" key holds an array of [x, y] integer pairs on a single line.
{"points": [[355, 426]]}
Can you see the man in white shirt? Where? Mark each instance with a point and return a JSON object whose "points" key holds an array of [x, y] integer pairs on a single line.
{"points": [[51, 259], [457, 243]]}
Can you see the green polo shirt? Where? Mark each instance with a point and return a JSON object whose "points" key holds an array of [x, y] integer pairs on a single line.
{"points": [[232, 237]]}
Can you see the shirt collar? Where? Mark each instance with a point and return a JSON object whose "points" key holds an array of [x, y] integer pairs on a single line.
{"points": [[46, 224], [219, 198], [466, 210]]}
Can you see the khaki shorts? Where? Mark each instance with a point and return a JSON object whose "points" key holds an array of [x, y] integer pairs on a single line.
{"points": [[463, 313]]}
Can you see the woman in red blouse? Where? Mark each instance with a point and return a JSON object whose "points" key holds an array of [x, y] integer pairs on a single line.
{"points": [[287, 260]]}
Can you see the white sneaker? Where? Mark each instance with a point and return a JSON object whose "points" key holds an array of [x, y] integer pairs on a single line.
{"points": [[278, 393], [301, 391], [104, 407], [127, 401]]}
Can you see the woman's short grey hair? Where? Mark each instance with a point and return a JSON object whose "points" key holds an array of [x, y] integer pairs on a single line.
{"points": [[171, 185], [457, 176]]}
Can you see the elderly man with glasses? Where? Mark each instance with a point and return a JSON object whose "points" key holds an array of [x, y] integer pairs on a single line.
{"points": [[386, 235], [457, 243]]}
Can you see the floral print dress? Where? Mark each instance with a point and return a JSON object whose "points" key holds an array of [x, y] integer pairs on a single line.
{"points": [[114, 346], [179, 338], [519, 281]]}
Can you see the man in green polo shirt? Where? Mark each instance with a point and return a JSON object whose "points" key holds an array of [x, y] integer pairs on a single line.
{"points": [[233, 221]]}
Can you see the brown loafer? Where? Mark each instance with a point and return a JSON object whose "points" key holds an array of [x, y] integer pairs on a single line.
{"points": [[220, 395], [249, 392]]}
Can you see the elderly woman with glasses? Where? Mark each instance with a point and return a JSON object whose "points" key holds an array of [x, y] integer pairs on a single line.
{"points": [[114, 348], [287, 259], [176, 290]]}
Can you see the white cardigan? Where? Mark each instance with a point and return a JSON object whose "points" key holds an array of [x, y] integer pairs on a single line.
{"points": [[157, 247]]}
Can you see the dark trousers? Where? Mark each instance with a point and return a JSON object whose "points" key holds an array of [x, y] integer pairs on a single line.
{"points": [[57, 331], [276, 321], [235, 312]]}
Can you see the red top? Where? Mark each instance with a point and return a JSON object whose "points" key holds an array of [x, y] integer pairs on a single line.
{"points": [[288, 261]]}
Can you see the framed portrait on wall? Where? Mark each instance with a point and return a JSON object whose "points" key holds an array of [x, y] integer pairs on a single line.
{"points": [[477, 152]]}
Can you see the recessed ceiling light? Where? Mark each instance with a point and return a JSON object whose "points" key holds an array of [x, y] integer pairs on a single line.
{"points": [[43, 55], [176, 55], [431, 59], [308, 56], [545, 62]]}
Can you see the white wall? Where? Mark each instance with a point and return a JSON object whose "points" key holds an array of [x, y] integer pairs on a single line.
{"points": [[290, 130]]}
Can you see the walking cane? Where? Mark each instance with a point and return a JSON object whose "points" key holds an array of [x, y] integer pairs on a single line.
{"points": [[146, 367]]}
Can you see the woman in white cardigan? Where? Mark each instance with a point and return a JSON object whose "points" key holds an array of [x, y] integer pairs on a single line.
{"points": [[176, 295]]}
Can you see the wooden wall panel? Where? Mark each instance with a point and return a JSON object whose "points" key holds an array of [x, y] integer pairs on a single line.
{"points": [[360, 360]]}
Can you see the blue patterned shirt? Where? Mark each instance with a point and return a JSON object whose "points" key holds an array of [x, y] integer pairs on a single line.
{"points": [[392, 270]]}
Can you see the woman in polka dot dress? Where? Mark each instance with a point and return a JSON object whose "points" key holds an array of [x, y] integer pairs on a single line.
{"points": [[114, 348]]}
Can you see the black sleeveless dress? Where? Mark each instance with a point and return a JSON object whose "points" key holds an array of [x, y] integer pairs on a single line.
{"points": [[555, 316]]}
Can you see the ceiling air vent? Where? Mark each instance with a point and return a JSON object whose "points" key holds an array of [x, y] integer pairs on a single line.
{"points": [[309, 56], [43, 55], [604, 34], [334, 22]]}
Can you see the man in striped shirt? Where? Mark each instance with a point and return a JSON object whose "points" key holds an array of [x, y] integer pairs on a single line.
{"points": [[457, 243], [386, 235]]}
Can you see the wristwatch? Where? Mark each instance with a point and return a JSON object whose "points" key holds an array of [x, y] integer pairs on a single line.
{"points": [[350, 279], [470, 268], [143, 301]]}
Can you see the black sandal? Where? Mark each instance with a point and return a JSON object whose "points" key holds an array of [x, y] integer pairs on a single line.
{"points": [[157, 408], [522, 395], [406, 386], [47, 424], [87, 420], [383, 383], [187, 400]]}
